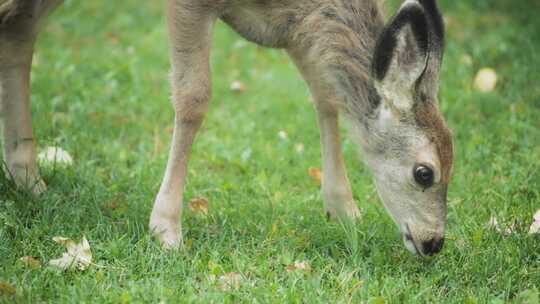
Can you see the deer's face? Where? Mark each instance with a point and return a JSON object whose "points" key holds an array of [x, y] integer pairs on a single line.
{"points": [[411, 160], [407, 143]]}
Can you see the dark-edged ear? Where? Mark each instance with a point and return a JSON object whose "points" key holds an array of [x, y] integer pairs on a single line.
{"points": [[407, 48], [429, 84], [403, 41]]}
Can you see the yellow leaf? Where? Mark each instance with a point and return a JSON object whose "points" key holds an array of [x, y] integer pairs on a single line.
{"points": [[274, 229], [199, 205], [486, 80], [316, 174], [30, 261], [7, 289]]}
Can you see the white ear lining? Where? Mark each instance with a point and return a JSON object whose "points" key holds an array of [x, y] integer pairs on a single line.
{"points": [[398, 84], [408, 2]]}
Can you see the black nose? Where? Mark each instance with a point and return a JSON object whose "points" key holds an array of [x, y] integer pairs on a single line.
{"points": [[432, 246]]}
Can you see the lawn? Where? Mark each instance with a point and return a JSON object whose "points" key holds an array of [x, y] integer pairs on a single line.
{"points": [[101, 92]]}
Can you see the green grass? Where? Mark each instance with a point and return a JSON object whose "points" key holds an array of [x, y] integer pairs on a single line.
{"points": [[100, 91]]}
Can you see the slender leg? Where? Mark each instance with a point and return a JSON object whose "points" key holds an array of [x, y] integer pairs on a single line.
{"points": [[190, 29], [17, 36], [336, 189], [19, 143], [20, 22]]}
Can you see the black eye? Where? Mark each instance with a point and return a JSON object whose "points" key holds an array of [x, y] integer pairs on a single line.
{"points": [[423, 175]]}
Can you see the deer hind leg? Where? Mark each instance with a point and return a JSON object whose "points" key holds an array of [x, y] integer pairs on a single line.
{"points": [[190, 28], [19, 25], [336, 189]]}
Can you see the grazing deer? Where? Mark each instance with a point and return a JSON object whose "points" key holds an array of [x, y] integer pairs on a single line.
{"points": [[383, 78]]}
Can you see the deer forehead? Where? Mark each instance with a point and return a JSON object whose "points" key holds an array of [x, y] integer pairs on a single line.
{"points": [[430, 121], [422, 132]]}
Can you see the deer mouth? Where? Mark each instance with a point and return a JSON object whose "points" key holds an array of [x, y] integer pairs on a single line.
{"points": [[410, 244]]}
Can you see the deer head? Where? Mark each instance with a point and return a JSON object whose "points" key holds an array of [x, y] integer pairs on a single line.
{"points": [[406, 142]]}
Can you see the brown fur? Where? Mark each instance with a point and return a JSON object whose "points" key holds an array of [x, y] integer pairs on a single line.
{"points": [[335, 37], [428, 118], [331, 41]]}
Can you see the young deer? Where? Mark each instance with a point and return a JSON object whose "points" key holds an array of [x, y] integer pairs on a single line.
{"points": [[384, 79]]}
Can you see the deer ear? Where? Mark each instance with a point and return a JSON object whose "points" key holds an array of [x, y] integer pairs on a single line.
{"points": [[401, 52]]}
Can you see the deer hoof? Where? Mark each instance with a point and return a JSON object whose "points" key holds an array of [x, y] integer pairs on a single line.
{"points": [[344, 212], [168, 232]]}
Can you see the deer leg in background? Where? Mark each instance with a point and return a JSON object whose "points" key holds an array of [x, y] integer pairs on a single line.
{"points": [[19, 25]]}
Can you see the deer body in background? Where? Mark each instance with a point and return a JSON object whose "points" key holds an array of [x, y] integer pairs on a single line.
{"points": [[383, 78]]}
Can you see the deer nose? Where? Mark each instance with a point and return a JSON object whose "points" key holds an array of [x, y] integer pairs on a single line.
{"points": [[432, 246]]}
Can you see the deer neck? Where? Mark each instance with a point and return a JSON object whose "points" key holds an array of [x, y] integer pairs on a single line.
{"points": [[340, 40]]}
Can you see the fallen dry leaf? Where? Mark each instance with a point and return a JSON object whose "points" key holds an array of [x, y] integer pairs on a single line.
{"points": [[7, 289], [485, 80], [55, 155], [228, 281], [115, 39], [466, 59], [199, 205], [30, 261], [302, 266], [237, 87], [283, 135], [494, 224], [316, 174], [77, 256], [535, 226]]}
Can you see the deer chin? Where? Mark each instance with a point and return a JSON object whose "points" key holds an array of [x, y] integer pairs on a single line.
{"points": [[425, 242], [418, 215], [410, 245]]}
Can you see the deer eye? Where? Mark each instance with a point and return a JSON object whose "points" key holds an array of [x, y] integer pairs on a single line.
{"points": [[423, 175]]}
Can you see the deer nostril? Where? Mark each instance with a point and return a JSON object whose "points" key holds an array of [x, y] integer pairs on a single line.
{"points": [[433, 246]]}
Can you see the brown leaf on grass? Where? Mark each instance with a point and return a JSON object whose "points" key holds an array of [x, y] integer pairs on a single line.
{"points": [[7, 289], [302, 266], [228, 281], [112, 205], [77, 256], [30, 261], [316, 174], [199, 205], [535, 226], [237, 87], [115, 39], [485, 80]]}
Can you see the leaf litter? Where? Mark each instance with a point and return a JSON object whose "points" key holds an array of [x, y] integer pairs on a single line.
{"points": [[78, 256]]}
